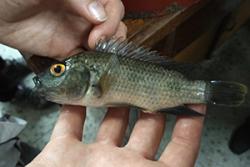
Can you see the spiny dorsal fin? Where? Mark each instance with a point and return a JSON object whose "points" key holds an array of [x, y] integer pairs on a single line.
{"points": [[127, 49], [123, 48]]}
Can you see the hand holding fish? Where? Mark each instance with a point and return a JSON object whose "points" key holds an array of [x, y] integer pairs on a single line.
{"points": [[66, 148], [55, 28]]}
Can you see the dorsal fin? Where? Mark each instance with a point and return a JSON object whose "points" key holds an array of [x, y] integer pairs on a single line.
{"points": [[127, 49]]}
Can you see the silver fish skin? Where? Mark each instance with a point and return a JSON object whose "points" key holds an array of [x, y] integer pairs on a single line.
{"points": [[113, 76]]}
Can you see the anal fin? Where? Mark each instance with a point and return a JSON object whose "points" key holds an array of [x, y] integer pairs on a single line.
{"points": [[180, 111]]}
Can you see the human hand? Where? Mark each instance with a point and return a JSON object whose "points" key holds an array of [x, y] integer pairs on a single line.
{"points": [[66, 149], [56, 28]]}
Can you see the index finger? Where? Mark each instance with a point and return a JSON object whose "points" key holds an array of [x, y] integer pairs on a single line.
{"points": [[183, 148], [70, 123]]}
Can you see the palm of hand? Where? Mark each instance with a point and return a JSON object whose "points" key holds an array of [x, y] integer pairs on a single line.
{"points": [[66, 149], [75, 154]]}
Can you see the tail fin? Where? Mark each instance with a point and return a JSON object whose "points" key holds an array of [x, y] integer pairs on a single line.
{"points": [[225, 93]]}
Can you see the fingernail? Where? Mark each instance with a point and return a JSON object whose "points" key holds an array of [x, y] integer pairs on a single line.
{"points": [[97, 10]]}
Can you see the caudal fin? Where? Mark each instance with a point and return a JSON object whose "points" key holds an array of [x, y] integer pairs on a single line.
{"points": [[225, 93]]}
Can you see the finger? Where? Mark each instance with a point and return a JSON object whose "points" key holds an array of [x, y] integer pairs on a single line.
{"points": [[92, 10], [113, 127], [184, 145], [115, 12], [70, 123], [147, 134], [71, 53], [121, 32], [75, 51]]}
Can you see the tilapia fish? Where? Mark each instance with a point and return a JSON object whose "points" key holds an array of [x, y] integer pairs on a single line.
{"points": [[122, 74]]}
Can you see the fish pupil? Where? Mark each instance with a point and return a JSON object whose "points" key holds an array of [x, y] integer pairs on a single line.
{"points": [[58, 69]]}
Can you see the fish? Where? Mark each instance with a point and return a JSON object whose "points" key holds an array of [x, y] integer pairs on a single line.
{"points": [[119, 73]]}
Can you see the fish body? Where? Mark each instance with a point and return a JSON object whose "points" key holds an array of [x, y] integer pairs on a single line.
{"points": [[118, 75], [139, 83]]}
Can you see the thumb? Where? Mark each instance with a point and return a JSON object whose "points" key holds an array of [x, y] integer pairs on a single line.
{"points": [[92, 10]]}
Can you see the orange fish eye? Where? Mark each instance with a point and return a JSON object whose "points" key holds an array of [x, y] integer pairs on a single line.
{"points": [[57, 69]]}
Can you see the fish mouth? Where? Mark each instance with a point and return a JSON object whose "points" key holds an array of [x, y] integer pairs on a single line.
{"points": [[38, 87], [37, 81], [46, 93]]}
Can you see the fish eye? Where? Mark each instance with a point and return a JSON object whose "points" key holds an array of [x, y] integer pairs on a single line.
{"points": [[57, 69]]}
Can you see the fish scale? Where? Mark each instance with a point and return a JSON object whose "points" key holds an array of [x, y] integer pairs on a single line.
{"points": [[150, 86]]}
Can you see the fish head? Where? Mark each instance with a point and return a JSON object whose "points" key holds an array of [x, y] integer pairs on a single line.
{"points": [[63, 83]]}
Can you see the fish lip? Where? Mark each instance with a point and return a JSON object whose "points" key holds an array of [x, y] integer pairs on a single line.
{"points": [[37, 81], [38, 87]]}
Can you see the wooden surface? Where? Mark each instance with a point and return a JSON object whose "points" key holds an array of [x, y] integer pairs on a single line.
{"points": [[153, 5], [175, 31], [150, 31]]}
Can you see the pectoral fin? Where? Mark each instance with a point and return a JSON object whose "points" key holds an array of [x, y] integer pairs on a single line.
{"points": [[96, 90], [181, 110]]}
